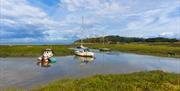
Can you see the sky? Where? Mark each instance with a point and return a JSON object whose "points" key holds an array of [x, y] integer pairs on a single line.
{"points": [[60, 21]]}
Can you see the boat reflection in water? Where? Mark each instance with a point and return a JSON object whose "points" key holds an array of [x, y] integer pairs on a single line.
{"points": [[44, 64], [84, 60]]}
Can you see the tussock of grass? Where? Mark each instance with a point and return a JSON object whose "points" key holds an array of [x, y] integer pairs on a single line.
{"points": [[140, 81], [35, 50]]}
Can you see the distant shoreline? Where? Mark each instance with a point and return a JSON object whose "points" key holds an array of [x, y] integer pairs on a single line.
{"points": [[161, 50]]}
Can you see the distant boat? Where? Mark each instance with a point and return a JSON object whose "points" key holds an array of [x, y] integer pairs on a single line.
{"points": [[104, 49], [81, 50]]}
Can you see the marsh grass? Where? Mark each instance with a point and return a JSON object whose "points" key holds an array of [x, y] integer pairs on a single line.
{"points": [[139, 81], [142, 48], [12, 89], [157, 49], [32, 50]]}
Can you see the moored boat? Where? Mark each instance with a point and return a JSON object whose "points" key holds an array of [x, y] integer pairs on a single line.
{"points": [[47, 57], [81, 50], [84, 52], [104, 49]]}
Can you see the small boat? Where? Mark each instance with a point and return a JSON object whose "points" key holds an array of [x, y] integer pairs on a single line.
{"points": [[47, 56], [104, 49], [84, 52]]}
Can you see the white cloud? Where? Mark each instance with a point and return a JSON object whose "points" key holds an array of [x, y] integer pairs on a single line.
{"points": [[20, 12], [76, 5], [96, 8], [153, 22], [167, 33], [96, 13], [22, 22], [111, 9], [20, 9], [113, 16], [120, 17]]}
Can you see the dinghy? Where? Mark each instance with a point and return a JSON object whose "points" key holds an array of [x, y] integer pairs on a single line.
{"points": [[47, 56]]}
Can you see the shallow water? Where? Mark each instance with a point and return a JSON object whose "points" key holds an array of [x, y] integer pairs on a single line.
{"points": [[25, 73]]}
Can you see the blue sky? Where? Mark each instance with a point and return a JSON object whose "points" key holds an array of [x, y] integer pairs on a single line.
{"points": [[59, 21]]}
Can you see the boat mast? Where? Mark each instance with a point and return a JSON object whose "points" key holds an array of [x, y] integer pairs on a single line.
{"points": [[82, 30], [103, 37]]}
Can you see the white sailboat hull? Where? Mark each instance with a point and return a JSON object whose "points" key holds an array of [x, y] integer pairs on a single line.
{"points": [[84, 54]]}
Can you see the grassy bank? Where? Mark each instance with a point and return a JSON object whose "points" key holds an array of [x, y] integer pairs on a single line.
{"points": [[32, 50], [139, 81], [156, 49]]}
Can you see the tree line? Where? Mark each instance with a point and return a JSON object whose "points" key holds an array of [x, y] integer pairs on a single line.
{"points": [[118, 39]]}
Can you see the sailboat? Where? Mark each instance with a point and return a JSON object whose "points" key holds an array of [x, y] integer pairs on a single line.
{"points": [[81, 50]]}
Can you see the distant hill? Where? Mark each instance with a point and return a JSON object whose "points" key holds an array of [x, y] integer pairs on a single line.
{"points": [[116, 39]]}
